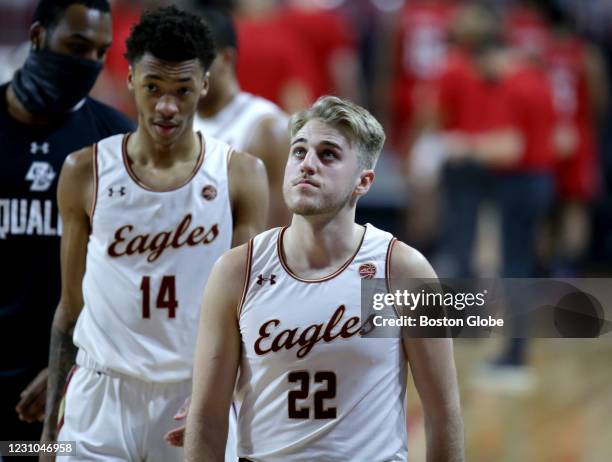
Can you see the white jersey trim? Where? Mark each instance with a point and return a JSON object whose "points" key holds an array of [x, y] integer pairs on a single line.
{"points": [[94, 199], [345, 265], [247, 278], [134, 177]]}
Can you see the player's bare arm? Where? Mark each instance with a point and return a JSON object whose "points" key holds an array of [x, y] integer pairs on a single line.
{"points": [[271, 144], [433, 369], [248, 184], [74, 197], [217, 358]]}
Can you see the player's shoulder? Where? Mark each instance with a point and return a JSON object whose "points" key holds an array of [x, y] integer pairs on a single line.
{"points": [[260, 101], [80, 162], [76, 178], [232, 265], [408, 262], [114, 120], [263, 108], [243, 163]]}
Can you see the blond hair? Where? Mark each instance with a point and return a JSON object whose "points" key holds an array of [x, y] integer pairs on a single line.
{"points": [[345, 116]]}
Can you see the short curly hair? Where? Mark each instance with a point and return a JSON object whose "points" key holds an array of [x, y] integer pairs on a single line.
{"points": [[172, 35]]}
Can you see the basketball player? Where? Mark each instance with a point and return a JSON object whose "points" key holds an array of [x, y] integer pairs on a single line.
{"points": [[285, 309], [45, 114], [246, 122], [145, 216]]}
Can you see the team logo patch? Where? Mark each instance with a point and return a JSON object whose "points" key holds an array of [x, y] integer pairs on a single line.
{"points": [[367, 270], [41, 174], [209, 192]]}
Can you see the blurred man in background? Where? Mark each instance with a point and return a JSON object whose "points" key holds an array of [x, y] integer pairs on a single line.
{"points": [[497, 110], [273, 63], [246, 122], [579, 84]]}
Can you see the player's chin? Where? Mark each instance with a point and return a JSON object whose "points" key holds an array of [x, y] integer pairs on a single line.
{"points": [[305, 206]]}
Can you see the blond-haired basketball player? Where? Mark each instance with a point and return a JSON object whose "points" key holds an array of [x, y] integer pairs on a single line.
{"points": [[146, 215], [284, 310]]}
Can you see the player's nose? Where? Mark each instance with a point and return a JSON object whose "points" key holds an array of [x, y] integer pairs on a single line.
{"points": [[166, 106], [308, 164]]}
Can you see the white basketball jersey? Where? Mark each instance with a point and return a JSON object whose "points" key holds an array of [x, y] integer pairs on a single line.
{"points": [[236, 123], [148, 258], [311, 387]]}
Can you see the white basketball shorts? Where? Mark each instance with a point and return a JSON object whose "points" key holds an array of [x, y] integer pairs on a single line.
{"points": [[114, 417]]}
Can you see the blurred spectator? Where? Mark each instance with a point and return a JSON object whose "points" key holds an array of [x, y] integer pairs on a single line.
{"points": [[579, 86], [525, 27], [498, 107], [246, 122], [419, 50], [273, 63], [331, 41], [112, 85]]}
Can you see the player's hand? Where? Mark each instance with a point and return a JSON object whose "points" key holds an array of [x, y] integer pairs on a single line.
{"points": [[31, 407], [176, 436]]}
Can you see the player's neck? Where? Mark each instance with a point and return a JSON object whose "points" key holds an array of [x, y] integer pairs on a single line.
{"points": [[321, 243], [18, 112], [143, 148], [225, 95]]}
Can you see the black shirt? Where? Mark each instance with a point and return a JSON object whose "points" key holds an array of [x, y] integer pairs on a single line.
{"points": [[30, 228]]}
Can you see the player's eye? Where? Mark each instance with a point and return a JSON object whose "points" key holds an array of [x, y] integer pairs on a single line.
{"points": [[328, 155], [299, 152], [151, 88], [184, 91]]}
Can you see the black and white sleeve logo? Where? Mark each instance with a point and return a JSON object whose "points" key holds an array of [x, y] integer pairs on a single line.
{"points": [[41, 174]]}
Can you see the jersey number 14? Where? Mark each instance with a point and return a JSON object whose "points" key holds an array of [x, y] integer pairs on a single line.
{"points": [[166, 297]]}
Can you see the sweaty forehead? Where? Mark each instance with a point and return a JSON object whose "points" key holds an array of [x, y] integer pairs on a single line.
{"points": [[89, 23], [181, 71], [316, 131]]}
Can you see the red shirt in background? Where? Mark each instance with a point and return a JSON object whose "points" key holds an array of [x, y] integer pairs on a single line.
{"points": [[269, 57], [468, 102], [577, 176], [528, 91], [521, 99], [324, 33], [421, 52]]}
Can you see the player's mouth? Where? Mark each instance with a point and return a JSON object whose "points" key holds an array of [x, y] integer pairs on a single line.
{"points": [[165, 128], [305, 182]]}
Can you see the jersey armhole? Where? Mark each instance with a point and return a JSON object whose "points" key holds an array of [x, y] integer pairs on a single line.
{"points": [[94, 199], [388, 263], [247, 278], [392, 243]]}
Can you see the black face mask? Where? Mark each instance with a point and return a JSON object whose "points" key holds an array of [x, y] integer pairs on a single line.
{"points": [[53, 83]]}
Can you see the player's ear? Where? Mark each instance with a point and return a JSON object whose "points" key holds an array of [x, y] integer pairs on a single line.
{"points": [[205, 84], [37, 35], [366, 179], [130, 78]]}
